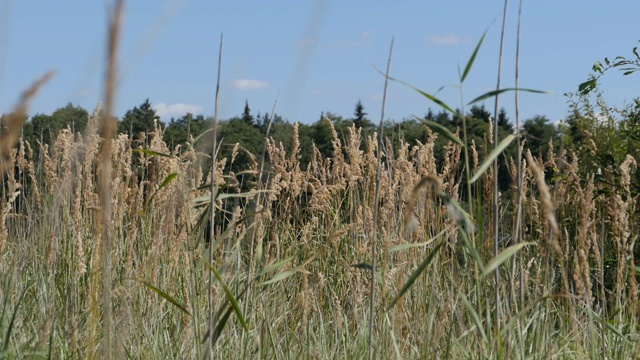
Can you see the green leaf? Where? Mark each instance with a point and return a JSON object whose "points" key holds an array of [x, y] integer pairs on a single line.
{"points": [[474, 252], [164, 295], [437, 128], [467, 68], [230, 297], [500, 91], [441, 103], [474, 317], [152, 153], [607, 325], [503, 256], [457, 213], [427, 95], [285, 274], [274, 266], [416, 273], [368, 267], [587, 86], [206, 199], [164, 183], [422, 244], [363, 266], [409, 246], [494, 154], [7, 335], [220, 325], [597, 67], [168, 180], [201, 135]]}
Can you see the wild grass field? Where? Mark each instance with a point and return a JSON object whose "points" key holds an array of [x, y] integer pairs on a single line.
{"points": [[282, 268]]}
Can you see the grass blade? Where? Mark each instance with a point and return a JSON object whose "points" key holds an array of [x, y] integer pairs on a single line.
{"points": [[168, 180], [164, 183], [7, 335], [230, 297], [503, 256], [472, 250], [474, 317], [437, 128], [607, 325], [416, 273], [467, 68], [494, 154], [152, 153], [206, 199], [441, 103], [498, 92], [285, 274], [165, 296], [220, 325], [273, 266]]}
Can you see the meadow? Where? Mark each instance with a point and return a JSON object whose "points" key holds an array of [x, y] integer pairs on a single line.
{"points": [[110, 246]]}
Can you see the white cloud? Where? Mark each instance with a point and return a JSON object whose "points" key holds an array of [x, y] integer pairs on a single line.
{"points": [[85, 92], [168, 111], [246, 84], [363, 40], [451, 39]]}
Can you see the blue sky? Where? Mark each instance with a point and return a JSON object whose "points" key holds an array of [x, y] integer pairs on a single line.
{"points": [[317, 55]]}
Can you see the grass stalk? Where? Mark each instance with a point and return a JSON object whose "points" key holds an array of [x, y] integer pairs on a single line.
{"points": [[517, 234], [496, 197], [517, 238], [376, 215], [213, 202], [107, 132]]}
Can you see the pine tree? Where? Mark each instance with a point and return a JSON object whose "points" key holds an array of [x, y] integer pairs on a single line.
{"points": [[360, 115], [246, 114], [139, 119]]}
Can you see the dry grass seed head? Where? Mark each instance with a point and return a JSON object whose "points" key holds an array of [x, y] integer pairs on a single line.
{"points": [[14, 122], [434, 181], [547, 205]]}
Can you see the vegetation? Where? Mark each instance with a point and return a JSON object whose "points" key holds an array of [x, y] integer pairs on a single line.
{"points": [[293, 230]]}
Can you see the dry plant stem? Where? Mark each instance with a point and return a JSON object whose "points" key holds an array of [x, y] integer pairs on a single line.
{"points": [[213, 204], [376, 206], [257, 202], [107, 131], [517, 232], [496, 197], [15, 121], [518, 228]]}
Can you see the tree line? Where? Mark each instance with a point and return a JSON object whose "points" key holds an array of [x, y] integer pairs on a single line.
{"points": [[592, 132]]}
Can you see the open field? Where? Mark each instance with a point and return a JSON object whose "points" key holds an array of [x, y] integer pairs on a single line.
{"points": [[110, 246], [569, 293]]}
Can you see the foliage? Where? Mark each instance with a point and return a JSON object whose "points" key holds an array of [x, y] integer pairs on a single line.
{"points": [[140, 119], [627, 66], [180, 131]]}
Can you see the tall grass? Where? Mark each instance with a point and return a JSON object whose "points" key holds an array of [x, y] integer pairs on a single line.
{"points": [[316, 217], [290, 256]]}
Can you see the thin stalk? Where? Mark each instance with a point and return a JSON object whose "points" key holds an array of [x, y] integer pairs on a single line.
{"points": [[496, 198], [257, 202], [376, 213], [467, 171], [107, 130], [517, 232], [213, 205]]}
